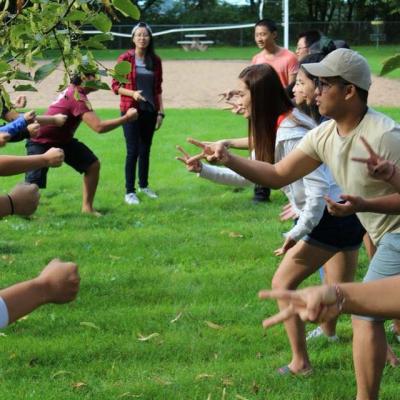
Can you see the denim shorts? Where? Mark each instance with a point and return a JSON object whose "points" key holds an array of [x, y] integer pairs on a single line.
{"points": [[385, 263], [337, 233]]}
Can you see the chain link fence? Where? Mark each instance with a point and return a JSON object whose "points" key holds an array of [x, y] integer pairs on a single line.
{"points": [[355, 33]]}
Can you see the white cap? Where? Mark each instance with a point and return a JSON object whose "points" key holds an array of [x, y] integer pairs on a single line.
{"points": [[346, 63], [141, 25]]}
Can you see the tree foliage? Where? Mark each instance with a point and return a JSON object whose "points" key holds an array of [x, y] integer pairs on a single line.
{"points": [[31, 28]]}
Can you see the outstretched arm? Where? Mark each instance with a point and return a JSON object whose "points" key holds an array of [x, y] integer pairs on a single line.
{"points": [[294, 166], [57, 283], [13, 165], [94, 122], [322, 303]]}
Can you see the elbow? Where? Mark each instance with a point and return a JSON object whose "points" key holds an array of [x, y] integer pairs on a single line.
{"points": [[99, 128]]}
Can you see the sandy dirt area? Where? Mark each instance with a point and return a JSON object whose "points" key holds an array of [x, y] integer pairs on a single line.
{"points": [[196, 84]]}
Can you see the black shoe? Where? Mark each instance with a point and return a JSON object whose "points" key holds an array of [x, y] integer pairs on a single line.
{"points": [[261, 194]]}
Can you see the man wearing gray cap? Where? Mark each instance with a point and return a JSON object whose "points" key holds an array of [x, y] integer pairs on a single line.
{"points": [[343, 79]]}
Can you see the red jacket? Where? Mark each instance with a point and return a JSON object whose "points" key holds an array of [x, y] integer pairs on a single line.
{"points": [[127, 101]]}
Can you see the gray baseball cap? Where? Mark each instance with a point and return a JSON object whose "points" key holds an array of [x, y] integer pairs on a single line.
{"points": [[346, 63]]}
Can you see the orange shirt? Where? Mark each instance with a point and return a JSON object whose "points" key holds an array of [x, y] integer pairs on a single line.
{"points": [[284, 62]]}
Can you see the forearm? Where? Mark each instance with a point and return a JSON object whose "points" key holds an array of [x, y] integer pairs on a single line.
{"points": [[389, 204], [223, 176], [361, 298], [13, 165], [239, 143], [23, 298], [110, 124], [46, 119], [125, 92]]}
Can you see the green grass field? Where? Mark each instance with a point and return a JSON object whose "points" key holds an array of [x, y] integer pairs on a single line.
{"points": [[170, 268], [374, 56]]}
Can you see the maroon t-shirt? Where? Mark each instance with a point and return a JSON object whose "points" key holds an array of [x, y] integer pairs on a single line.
{"points": [[73, 102]]}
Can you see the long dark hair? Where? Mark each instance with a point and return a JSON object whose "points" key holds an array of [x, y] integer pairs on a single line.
{"points": [[269, 100], [150, 56]]}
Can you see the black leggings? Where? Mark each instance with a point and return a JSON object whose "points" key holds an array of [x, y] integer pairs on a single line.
{"points": [[138, 137]]}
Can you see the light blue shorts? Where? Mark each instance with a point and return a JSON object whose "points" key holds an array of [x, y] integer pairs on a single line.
{"points": [[385, 263]]}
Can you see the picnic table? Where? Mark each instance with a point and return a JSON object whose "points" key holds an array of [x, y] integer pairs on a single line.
{"points": [[195, 42]]}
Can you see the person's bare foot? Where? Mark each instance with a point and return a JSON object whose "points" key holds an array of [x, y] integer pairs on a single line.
{"points": [[92, 211]]}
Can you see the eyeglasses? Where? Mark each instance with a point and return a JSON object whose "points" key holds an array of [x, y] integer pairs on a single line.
{"points": [[142, 35], [324, 86], [301, 48]]}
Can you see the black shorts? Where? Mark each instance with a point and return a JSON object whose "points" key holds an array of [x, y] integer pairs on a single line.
{"points": [[337, 233], [77, 155]]}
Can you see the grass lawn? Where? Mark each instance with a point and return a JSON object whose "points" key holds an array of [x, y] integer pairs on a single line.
{"points": [[184, 268], [374, 56]]}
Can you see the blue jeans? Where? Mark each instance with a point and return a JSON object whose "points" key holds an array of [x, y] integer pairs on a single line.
{"points": [[138, 137]]}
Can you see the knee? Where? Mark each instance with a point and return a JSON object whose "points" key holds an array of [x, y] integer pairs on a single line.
{"points": [[94, 168], [278, 282]]}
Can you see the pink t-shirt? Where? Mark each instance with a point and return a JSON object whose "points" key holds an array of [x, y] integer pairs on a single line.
{"points": [[284, 62], [73, 102]]}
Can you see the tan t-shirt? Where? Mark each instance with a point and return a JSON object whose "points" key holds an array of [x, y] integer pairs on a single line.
{"points": [[383, 134]]}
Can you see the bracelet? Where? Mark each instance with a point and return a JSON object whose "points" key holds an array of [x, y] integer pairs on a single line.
{"points": [[340, 299], [392, 173], [11, 204], [161, 114]]}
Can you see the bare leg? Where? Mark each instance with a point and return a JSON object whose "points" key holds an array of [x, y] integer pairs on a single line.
{"points": [[90, 181], [340, 268], [299, 262], [369, 355]]}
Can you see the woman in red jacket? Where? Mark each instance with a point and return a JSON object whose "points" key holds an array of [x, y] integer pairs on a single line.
{"points": [[142, 91]]}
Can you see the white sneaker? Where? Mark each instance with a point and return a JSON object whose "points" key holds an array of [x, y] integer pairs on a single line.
{"points": [[131, 199], [318, 332], [148, 192]]}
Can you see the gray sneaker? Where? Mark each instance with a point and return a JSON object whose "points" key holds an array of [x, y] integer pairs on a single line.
{"points": [[131, 199], [148, 192]]}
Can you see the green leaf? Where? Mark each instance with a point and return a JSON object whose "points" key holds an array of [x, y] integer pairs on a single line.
{"points": [[96, 85], [24, 88], [4, 66], [76, 15], [45, 70], [123, 68], [127, 8], [390, 64], [22, 76], [101, 22]]}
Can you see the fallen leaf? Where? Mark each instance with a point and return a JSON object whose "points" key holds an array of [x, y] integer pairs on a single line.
{"points": [[203, 376], [255, 387], [146, 338], [89, 325], [212, 325], [58, 373], [162, 381], [3, 334], [209, 396], [176, 318], [238, 396], [23, 318], [223, 394], [235, 235], [79, 385], [227, 381], [128, 394]]}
